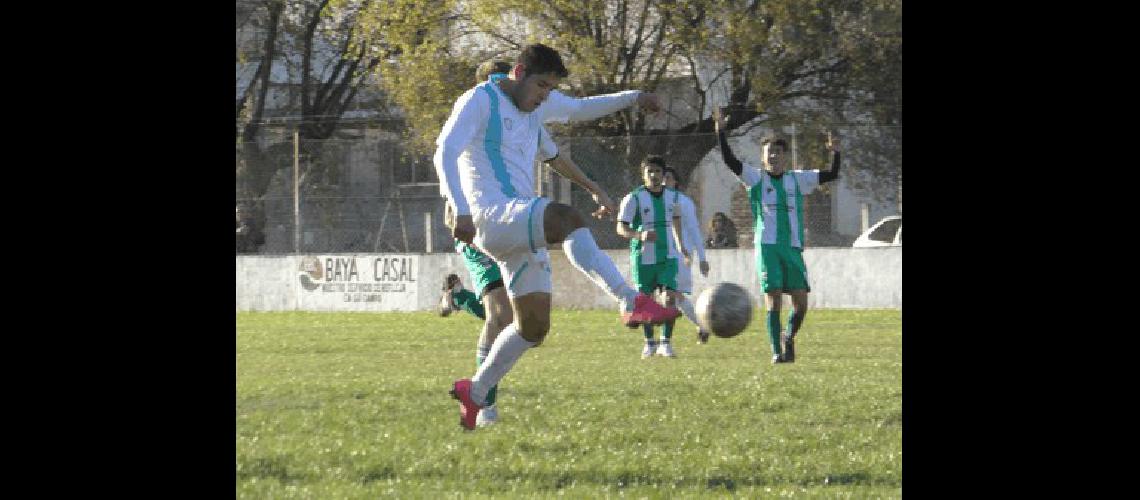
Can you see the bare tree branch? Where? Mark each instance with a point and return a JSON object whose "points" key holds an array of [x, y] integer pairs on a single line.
{"points": [[265, 71]]}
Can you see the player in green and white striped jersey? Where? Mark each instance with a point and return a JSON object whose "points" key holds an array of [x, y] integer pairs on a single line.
{"points": [[650, 217], [776, 197]]}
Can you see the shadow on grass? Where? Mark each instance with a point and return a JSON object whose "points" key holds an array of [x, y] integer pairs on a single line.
{"points": [[270, 468], [554, 481]]}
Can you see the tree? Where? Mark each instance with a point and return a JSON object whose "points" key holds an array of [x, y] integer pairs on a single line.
{"points": [[316, 38], [771, 52]]}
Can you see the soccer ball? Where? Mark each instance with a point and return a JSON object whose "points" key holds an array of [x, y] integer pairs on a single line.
{"points": [[725, 309]]}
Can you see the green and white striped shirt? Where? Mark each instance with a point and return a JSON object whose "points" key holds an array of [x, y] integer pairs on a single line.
{"points": [[643, 211], [777, 204]]}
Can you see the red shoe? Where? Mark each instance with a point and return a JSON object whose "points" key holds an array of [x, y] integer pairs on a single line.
{"points": [[647, 310], [468, 410]]}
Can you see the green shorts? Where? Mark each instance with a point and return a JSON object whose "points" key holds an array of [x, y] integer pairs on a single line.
{"points": [[781, 268], [649, 276], [482, 268]]}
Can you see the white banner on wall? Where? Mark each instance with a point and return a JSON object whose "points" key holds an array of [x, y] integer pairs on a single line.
{"points": [[374, 282]]}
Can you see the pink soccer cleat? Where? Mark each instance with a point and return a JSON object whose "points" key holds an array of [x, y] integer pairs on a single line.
{"points": [[468, 410], [647, 310]]}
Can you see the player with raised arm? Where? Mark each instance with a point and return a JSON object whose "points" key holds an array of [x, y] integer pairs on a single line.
{"points": [[485, 162], [776, 197]]}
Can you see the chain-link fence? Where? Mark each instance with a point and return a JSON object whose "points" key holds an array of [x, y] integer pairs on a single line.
{"points": [[370, 195]]}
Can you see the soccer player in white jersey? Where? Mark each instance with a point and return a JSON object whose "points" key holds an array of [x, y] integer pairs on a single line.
{"points": [[485, 162], [776, 197], [650, 219], [693, 243]]}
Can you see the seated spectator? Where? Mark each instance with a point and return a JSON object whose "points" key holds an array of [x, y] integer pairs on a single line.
{"points": [[722, 232]]}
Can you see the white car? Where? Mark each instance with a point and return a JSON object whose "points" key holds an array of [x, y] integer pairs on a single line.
{"points": [[885, 233]]}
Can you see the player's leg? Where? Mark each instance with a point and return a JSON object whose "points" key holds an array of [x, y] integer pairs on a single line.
{"points": [[499, 315], [644, 278], [667, 282], [685, 287], [506, 233], [528, 285], [770, 267], [532, 321], [772, 301], [795, 319], [798, 288], [563, 224]]}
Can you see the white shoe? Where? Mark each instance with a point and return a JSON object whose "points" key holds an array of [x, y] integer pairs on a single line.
{"points": [[666, 350], [647, 351], [487, 416]]}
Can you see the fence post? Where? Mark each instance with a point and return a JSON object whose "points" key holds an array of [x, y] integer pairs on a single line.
{"points": [[795, 159], [427, 232], [296, 191]]}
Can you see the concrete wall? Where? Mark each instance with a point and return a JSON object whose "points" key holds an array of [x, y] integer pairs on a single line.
{"points": [[840, 278]]}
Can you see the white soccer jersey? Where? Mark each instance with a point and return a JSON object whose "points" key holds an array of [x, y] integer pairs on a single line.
{"points": [[643, 211], [691, 228], [489, 146], [763, 194]]}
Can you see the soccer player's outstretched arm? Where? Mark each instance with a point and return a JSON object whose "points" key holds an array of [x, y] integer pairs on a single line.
{"points": [[561, 107], [568, 169]]}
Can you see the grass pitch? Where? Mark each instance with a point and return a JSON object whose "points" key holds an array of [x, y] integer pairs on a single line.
{"points": [[355, 405]]}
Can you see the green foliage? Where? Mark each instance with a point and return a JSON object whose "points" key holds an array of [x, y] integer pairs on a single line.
{"points": [[832, 50], [355, 405]]}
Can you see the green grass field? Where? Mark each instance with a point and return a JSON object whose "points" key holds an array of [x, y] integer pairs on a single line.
{"points": [[355, 405]]}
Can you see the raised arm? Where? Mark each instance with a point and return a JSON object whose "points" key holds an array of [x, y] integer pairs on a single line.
{"points": [[725, 151], [833, 146]]}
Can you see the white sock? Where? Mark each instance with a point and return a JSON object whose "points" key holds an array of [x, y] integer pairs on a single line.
{"points": [[686, 307], [508, 348], [584, 254]]}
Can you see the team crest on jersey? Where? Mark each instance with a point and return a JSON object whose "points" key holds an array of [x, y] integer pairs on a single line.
{"points": [[508, 123]]}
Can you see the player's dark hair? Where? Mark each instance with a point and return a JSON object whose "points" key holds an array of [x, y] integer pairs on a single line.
{"points": [[491, 66], [654, 160], [775, 140], [540, 59]]}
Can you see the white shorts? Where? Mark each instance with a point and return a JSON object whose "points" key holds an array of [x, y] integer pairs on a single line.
{"points": [[684, 277], [512, 233]]}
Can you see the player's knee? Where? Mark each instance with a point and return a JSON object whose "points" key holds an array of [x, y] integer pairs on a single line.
{"points": [[772, 304], [534, 329], [800, 303], [560, 220]]}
